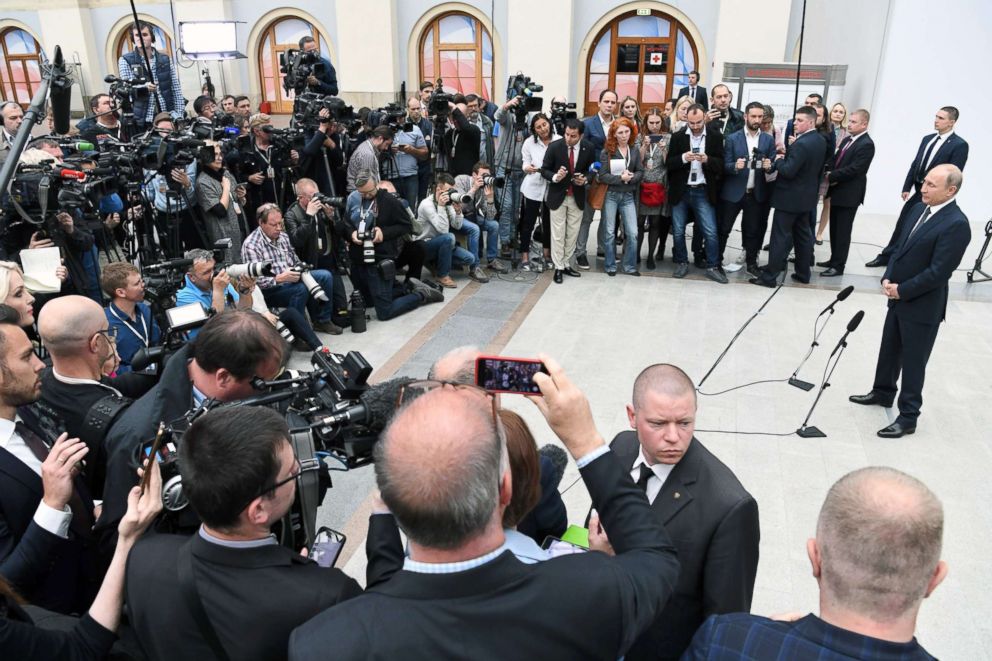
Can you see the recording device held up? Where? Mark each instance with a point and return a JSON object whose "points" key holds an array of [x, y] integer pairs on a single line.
{"points": [[508, 375]]}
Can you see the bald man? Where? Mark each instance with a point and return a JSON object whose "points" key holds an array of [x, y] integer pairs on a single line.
{"points": [[443, 471], [876, 557], [915, 284], [709, 515], [75, 331]]}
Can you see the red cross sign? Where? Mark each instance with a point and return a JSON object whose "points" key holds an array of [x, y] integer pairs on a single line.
{"points": [[656, 58]]}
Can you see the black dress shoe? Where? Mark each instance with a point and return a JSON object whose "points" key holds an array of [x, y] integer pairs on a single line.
{"points": [[871, 399], [558, 277], [896, 430], [611, 273], [761, 282], [878, 261], [826, 263], [651, 263], [830, 273], [818, 242], [572, 272], [797, 278]]}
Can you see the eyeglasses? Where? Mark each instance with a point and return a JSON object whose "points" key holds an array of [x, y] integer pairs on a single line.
{"points": [[301, 468], [109, 333]]}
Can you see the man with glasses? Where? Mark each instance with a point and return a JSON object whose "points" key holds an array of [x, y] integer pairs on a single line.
{"points": [[462, 593], [82, 346], [232, 349], [240, 475]]}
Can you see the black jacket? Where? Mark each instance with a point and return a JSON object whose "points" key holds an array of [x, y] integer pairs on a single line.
{"points": [[678, 171], [954, 150], [465, 140], [735, 122], [585, 606], [303, 232], [21, 639], [556, 157], [702, 98], [391, 218], [849, 179], [713, 522], [254, 597], [797, 187]]}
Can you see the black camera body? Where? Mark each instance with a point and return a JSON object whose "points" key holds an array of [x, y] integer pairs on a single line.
{"points": [[298, 66], [561, 112], [523, 88], [307, 107]]}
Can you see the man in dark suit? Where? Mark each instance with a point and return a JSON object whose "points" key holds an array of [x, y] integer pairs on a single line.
{"points": [[944, 146], [848, 178], [46, 514], [232, 586], [915, 283], [695, 165], [748, 155], [874, 563], [595, 131], [722, 117], [712, 519], [566, 163], [812, 100], [462, 593], [796, 192], [695, 91]]}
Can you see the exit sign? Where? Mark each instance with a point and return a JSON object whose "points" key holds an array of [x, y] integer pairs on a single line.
{"points": [[643, 12]]}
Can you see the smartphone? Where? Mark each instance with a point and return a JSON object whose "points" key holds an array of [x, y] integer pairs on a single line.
{"points": [[655, 138], [327, 547], [557, 547], [166, 453], [695, 150], [510, 375]]}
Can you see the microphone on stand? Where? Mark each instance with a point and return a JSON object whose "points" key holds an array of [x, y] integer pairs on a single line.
{"points": [[794, 380], [805, 431], [60, 93]]}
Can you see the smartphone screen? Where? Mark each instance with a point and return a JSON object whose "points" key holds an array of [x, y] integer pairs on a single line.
{"points": [[185, 315], [556, 547], [510, 375], [327, 547]]}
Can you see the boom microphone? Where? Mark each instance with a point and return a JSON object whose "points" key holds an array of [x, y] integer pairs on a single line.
{"points": [[60, 93], [375, 408]]}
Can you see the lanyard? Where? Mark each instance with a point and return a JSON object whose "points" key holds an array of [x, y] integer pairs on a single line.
{"points": [[364, 212], [143, 336]]}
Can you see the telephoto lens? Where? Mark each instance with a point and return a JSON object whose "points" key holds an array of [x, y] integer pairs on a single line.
{"points": [[357, 313], [313, 287], [466, 199], [490, 180], [251, 269], [285, 332]]}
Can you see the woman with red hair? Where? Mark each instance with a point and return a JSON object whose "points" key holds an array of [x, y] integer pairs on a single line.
{"points": [[621, 172]]}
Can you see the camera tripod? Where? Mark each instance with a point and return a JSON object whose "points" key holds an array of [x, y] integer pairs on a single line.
{"points": [[977, 268]]}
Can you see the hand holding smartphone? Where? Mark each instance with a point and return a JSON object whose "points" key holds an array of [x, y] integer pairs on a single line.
{"points": [[508, 375]]}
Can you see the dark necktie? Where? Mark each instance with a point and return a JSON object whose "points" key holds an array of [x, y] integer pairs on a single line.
{"points": [[82, 518], [571, 166], [848, 141], [642, 480], [919, 223], [920, 171]]}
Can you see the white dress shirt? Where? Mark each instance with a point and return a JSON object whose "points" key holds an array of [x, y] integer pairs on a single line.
{"points": [[656, 481], [50, 519], [752, 144], [696, 167], [937, 143]]}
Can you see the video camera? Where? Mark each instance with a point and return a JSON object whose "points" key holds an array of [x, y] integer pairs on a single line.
{"points": [[561, 112], [392, 115], [437, 105], [523, 88], [124, 91], [298, 66], [307, 107]]}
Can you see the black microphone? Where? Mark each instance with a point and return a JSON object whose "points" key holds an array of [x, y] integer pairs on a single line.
{"points": [[267, 129], [852, 326], [60, 93], [145, 356], [843, 294], [375, 408], [558, 458]]}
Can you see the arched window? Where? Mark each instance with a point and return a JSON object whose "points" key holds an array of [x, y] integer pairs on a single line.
{"points": [[282, 35], [645, 57], [20, 66], [124, 43], [457, 48]]}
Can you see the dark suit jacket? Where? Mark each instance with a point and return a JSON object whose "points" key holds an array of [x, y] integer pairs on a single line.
{"points": [[702, 98], [466, 147], [49, 571], [678, 172], [594, 133], [254, 597], [555, 157], [549, 516], [797, 187], [21, 639], [925, 261], [743, 636], [735, 182], [953, 151], [849, 180], [713, 522], [735, 122], [585, 606]]}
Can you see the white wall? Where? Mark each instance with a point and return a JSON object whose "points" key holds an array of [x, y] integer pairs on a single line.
{"points": [[915, 81], [745, 34]]}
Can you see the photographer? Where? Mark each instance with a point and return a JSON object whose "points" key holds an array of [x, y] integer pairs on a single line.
{"points": [[367, 157], [172, 196], [721, 118], [461, 140], [261, 164], [162, 81], [231, 350], [221, 198], [104, 122], [475, 200], [409, 150], [239, 473], [323, 157], [437, 217], [511, 137], [203, 124], [415, 115], [323, 80], [473, 106], [127, 313], [311, 229], [269, 243], [379, 230]]}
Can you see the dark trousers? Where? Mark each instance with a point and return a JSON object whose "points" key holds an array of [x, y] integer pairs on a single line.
{"points": [[412, 256], [890, 248], [388, 297], [754, 222], [295, 295], [299, 327], [841, 223], [789, 230], [533, 209], [906, 347], [339, 297]]}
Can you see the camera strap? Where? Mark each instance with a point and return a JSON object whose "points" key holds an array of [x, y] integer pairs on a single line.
{"points": [[187, 584]]}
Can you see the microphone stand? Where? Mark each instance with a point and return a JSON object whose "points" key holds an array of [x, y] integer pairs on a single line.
{"points": [[737, 335], [794, 380], [810, 431]]}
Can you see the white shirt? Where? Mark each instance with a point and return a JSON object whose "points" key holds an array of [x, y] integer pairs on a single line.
{"points": [[697, 167], [72, 380], [605, 123], [752, 144], [656, 481], [937, 142], [534, 186], [47, 518], [933, 212]]}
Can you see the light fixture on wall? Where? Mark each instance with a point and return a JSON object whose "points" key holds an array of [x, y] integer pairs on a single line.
{"points": [[209, 40]]}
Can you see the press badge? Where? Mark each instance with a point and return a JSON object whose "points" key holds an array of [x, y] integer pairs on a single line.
{"points": [[270, 172]]}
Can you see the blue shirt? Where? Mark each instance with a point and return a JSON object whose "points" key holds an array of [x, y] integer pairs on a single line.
{"points": [[157, 189], [132, 334], [193, 294], [407, 164]]}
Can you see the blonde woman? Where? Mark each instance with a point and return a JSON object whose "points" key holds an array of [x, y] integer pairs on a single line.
{"points": [[630, 110], [681, 108], [838, 121]]}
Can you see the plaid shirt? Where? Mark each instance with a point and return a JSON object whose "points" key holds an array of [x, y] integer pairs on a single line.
{"points": [[258, 248], [177, 90], [744, 636]]}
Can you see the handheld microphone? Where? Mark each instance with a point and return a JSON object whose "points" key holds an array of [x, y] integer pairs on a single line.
{"points": [[843, 294], [852, 326], [558, 459], [594, 168], [60, 93], [375, 408], [77, 146]]}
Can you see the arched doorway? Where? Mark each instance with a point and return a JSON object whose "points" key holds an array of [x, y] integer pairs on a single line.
{"points": [[640, 55], [457, 47], [281, 35], [20, 66]]}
